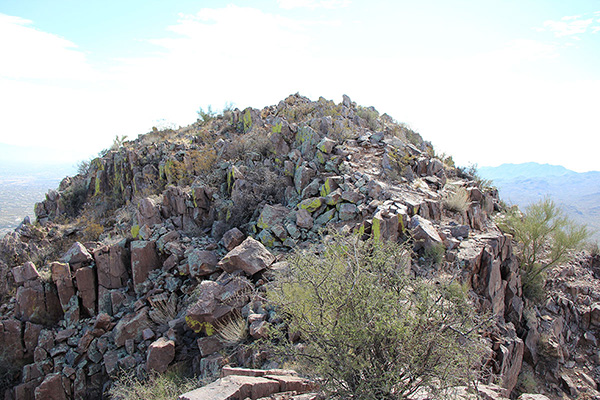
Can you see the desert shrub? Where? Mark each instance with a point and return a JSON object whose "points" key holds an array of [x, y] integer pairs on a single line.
{"points": [[10, 371], [370, 115], [368, 329], [203, 160], [262, 185], [206, 116], [457, 200], [249, 145], [435, 254], [165, 386], [545, 236]]}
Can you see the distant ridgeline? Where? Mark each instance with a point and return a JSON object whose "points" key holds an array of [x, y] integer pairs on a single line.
{"points": [[577, 193]]}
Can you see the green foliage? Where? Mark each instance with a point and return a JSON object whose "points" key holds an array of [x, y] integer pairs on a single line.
{"points": [[118, 142], [370, 115], [166, 386], [546, 237], [370, 330], [206, 116], [435, 253]]}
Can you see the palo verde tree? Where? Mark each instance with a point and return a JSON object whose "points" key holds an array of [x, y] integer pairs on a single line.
{"points": [[545, 236], [369, 329]]}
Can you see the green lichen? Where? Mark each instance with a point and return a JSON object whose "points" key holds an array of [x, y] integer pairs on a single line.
{"points": [[312, 205], [200, 327], [277, 128], [247, 121], [135, 231], [376, 229], [325, 188]]}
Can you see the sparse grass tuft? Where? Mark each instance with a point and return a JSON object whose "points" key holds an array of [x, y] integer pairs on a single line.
{"points": [[232, 331], [166, 386], [457, 200]]}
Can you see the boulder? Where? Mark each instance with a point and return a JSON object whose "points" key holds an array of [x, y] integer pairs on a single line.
{"points": [[51, 388], [160, 354], [61, 275], [232, 238], [143, 260], [201, 315], [147, 213], [111, 265], [304, 219], [131, 326], [77, 256], [202, 263], [347, 211], [234, 387], [424, 233], [85, 277], [271, 215], [250, 256]]}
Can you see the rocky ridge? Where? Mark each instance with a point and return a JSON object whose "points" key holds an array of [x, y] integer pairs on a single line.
{"points": [[138, 263]]}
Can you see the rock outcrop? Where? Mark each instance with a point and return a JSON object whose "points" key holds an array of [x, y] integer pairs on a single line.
{"points": [[140, 262]]}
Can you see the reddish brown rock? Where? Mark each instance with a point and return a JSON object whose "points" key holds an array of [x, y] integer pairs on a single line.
{"points": [[25, 272], [143, 260], [234, 387], [160, 354], [207, 308], [102, 321], [202, 263], [209, 345], [61, 275], [232, 238], [51, 388], [85, 277], [289, 383], [148, 213], [131, 327], [250, 256], [111, 264], [304, 219], [11, 337], [77, 256]]}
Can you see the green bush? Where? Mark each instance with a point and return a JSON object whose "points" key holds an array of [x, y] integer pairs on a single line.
{"points": [[367, 328], [165, 386], [546, 237]]}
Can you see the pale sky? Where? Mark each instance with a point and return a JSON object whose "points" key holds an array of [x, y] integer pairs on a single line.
{"points": [[488, 82]]}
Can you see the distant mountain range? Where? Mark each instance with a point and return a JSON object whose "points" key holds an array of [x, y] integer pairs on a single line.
{"points": [[523, 184]]}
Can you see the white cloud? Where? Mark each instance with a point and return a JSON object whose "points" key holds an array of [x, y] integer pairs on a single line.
{"points": [[32, 54], [313, 4], [568, 26]]}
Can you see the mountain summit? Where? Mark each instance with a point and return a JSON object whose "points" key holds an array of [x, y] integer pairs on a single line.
{"points": [[141, 261]]}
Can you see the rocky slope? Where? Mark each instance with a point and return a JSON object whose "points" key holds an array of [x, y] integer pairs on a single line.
{"points": [[138, 264]]}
